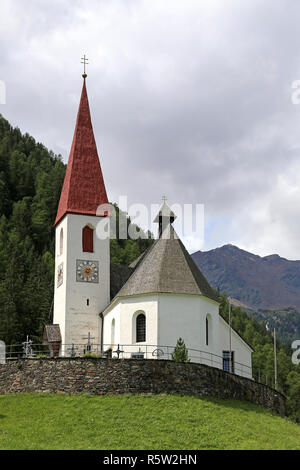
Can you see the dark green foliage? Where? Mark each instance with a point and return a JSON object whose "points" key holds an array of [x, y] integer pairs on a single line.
{"points": [[293, 401], [285, 320], [30, 182], [90, 355], [262, 341], [125, 251], [180, 353]]}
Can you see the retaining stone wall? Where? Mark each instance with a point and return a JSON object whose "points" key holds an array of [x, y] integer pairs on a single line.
{"points": [[104, 376]]}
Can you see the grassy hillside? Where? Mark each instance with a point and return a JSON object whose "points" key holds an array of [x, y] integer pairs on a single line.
{"points": [[148, 422]]}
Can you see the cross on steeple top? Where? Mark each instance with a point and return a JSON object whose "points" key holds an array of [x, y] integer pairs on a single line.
{"points": [[164, 199], [84, 61]]}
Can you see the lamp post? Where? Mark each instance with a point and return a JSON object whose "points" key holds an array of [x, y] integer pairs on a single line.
{"points": [[275, 361], [230, 353]]}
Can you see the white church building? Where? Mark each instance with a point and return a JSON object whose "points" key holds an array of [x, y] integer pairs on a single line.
{"points": [[136, 311]]}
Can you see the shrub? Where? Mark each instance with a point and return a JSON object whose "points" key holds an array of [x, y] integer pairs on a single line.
{"points": [[180, 353], [89, 355]]}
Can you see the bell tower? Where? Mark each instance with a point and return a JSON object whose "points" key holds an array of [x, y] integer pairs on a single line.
{"points": [[82, 259]]}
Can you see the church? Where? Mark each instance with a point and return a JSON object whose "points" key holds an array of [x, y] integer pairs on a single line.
{"points": [[136, 311]]}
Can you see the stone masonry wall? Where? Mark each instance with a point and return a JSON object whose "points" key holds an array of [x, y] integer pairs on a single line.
{"points": [[103, 376]]}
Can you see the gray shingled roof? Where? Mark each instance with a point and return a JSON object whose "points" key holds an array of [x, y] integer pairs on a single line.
{"points": [[137, 261], [167, 267]]}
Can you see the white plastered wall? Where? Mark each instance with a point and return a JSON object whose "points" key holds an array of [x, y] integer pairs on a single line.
{"points": [[124, 313], [170, 316], [71, 312], [185, 316]]}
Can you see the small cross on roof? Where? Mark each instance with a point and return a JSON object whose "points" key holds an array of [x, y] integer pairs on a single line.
{"points": [[165, 211], [84, 61]]}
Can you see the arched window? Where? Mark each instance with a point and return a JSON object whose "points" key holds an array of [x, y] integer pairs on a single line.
{"points": [[113, 327], [208, 330], [61, 241], [88, 239], [140, 328]]}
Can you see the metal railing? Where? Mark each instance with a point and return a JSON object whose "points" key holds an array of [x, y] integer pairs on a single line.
{"points": [[122, 351]]}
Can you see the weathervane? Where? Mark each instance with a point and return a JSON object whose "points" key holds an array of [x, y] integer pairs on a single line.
{"points": [[84, 61]]}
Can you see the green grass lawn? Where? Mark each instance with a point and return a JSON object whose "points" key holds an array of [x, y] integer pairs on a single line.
{"points": [[149, 422]]}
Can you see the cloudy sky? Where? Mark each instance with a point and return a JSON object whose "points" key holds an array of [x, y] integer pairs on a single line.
{"points": [[189, 99]]}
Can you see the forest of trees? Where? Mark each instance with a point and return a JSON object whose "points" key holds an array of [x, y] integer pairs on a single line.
{"points": [[31, 178], [262, 341]]}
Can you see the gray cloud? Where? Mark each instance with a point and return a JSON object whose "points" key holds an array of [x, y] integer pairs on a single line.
{"points": [[189, 99]]}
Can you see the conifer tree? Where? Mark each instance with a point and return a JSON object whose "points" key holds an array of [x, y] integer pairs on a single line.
{"points": [[180, 353]]}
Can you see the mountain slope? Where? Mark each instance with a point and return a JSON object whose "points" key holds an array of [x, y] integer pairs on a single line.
{"points": [[266, 288], [270, 282]]}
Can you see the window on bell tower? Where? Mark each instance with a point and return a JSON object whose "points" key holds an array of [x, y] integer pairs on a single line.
{"points": [[88, 239], [61, 241]]}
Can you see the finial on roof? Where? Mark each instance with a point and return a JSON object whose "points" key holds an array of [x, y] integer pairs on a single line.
{"points": [[84, 61]]}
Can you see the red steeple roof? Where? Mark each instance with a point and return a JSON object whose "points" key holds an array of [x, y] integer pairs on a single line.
{"points": [[83, 189]]}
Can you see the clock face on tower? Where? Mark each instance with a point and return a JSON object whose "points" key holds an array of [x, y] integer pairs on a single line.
{"points": [[87, 271]]}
